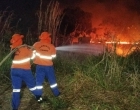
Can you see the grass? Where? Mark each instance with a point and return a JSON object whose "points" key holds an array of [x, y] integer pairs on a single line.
{"points": [[86, 82]]}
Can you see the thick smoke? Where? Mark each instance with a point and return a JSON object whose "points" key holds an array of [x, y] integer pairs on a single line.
{"points": [[121, 16]]}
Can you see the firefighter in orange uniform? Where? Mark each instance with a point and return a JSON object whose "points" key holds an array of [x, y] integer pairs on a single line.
{"points": [[45, 52], [20, 70]]}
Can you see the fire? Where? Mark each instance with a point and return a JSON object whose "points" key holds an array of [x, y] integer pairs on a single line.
{"points": [[122, 48], [118, 42]]}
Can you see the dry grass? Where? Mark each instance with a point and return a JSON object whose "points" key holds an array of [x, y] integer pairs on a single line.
{"points": [[84, 85], [49, 19], [78, 92]]}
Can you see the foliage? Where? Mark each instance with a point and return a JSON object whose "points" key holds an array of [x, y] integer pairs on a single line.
{"points": [[75, 18], [86, 82], [5, 29], [49, 19]]}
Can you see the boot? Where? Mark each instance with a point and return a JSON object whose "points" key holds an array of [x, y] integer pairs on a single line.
{"points": [[39, 99]]}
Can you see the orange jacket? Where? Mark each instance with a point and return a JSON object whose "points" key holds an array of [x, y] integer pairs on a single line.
{"points": [[45, 52], [22, 58]]}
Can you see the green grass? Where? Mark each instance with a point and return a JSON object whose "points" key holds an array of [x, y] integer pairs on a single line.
{"points": [[86, 82]]}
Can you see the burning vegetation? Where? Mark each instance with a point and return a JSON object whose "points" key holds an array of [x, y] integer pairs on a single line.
{"points": [[114, 23]]}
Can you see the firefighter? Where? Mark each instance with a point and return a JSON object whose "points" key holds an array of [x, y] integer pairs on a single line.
{"points": [[20, 70], [45, 52]]}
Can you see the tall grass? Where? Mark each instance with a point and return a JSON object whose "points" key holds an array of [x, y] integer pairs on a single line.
{"points": [[86, 82], [5, 29], [49, 19], [6, 17], [107, 80]]}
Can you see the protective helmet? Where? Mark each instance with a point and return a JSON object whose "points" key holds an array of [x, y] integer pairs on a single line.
{"points": [[16, 40], [45, 37]]}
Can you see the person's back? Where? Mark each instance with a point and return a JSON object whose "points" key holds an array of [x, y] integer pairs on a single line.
{"points": [[21, 70], [44, 53], [22, 58]]}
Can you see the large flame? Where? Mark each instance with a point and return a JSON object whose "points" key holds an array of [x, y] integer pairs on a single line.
{"points": [[124, 50], [125, 45]]}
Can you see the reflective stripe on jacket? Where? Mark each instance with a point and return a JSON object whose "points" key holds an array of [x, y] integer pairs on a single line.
{"points": [[22, 58], [45, 52]]}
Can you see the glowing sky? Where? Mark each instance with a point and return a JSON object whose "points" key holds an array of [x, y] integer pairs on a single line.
{"points": [[123, 15]]}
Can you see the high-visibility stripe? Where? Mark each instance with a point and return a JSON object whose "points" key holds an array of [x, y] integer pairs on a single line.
{"points": [[16, 90], [40, 99], [32, 89], [39, 87], [34, 51], [21, 61], [34, 54], [54, 55], [53, 85], [44, 57]]}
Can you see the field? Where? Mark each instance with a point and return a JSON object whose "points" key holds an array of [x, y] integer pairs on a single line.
{"points": [[86, 82]]}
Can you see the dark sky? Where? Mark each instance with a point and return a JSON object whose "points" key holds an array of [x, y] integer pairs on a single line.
{"points": [[20, 7], [88, 5], [94, 6], [125, 10]]}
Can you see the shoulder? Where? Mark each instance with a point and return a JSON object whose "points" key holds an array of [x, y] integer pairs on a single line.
{"points": [[36, 43], [51, 45], [25, 49]]}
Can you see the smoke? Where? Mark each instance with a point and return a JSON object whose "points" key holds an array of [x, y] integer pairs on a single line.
{"points": [[122, 16], [104, 8]]}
